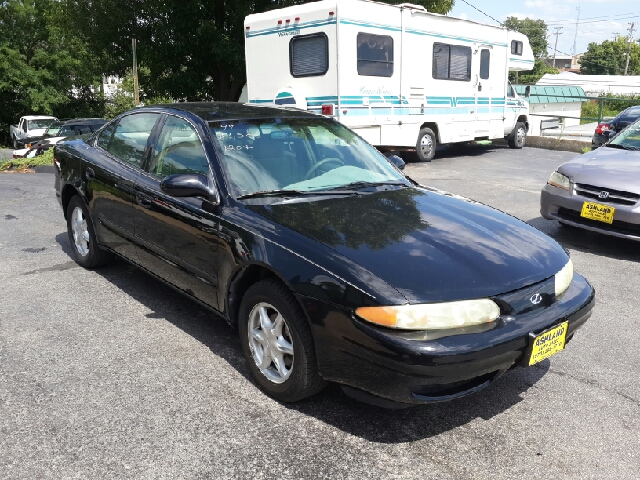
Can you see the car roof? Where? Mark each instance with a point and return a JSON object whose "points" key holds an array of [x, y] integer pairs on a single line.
{"points": [[39, 117], [85, 121], [216, 111]]}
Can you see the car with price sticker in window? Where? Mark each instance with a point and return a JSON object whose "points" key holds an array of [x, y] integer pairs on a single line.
{"points": [[600, 190], [331, 263]]}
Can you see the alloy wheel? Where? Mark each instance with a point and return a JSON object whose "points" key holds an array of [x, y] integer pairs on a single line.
{"points": [[270, 342], [80, 231]]}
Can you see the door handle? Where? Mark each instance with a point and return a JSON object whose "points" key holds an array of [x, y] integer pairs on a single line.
{"points": [[90, 174], [479, 87], [144, 200]]}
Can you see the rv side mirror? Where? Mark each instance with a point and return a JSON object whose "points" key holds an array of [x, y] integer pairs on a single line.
{"points": [[527, 91], [397, 161]]}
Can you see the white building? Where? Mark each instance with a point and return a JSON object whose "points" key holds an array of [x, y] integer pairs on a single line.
{"points": [[595, 84], [551, 106]]}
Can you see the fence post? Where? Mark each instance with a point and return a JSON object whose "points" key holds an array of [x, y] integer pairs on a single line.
{"points": [[600, 110]]}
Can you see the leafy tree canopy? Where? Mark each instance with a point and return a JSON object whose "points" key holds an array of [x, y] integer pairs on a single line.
{"points": [[535, 30], [609, 58]]}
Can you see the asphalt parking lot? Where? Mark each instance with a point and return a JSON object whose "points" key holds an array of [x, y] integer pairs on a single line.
{"points": [[110, 374]]}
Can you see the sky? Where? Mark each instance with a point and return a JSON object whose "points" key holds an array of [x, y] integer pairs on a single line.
{"points": [[599, 19]]}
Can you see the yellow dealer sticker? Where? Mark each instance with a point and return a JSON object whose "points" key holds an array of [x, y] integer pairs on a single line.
{"points": [[548, 343], [596, 211]]}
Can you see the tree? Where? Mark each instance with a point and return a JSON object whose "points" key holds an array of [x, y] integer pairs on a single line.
{"points": [[194, 49], [609, 58], [43, 68]]}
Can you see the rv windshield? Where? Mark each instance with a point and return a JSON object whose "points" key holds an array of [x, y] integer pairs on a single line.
{"points": [[297, 155]]}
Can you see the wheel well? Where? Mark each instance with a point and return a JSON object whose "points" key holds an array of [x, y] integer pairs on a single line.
{"points": [[240, 284], [67, 194], [432, 126], [525, 120]]}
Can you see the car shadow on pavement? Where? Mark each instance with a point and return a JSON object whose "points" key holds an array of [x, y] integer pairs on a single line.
{"points": [[331, 406], [587, 241]]}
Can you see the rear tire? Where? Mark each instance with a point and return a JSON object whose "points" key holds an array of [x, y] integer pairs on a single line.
{"points": [[426, 145], [86, 251], [518, 137], [277, 342]]}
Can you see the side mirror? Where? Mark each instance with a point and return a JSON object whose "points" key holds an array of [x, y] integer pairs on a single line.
{"points": [[24, 127], [186, 185], [397, 161], [527, 91]]}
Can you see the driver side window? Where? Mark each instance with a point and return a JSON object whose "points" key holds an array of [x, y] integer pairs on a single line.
{"points": [[178, 150]]}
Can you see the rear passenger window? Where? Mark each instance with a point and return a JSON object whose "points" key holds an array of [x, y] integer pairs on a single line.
{"points": [[485, 58], [178, 150], [309, 55], [129, 141], [375, 55]]}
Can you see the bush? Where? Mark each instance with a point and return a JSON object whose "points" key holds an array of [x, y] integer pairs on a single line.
{"points": [[22, 164], [610, 108]]}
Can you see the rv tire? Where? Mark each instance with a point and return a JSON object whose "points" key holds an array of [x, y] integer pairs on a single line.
{"points": [[426, 145], [518, 137]]}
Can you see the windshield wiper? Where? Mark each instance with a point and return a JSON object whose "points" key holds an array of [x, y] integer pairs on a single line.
{"points": [[290, 193], [357, 185], [621, 146]]}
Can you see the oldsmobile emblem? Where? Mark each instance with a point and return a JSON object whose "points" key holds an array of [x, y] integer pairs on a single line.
{"points": [[603, 194], [536, 298]]}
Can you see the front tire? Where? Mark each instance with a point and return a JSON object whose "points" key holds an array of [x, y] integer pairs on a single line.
{"points": [[277, 342], [518, 137], [426, 145], [15, 143], [82, 236]]}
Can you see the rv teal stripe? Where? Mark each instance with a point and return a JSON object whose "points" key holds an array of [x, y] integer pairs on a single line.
{"points": [[299, 26]]}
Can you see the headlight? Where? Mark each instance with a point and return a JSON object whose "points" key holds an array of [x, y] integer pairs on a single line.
{"points": [[559, 180], [432, 315], [563, 278]]}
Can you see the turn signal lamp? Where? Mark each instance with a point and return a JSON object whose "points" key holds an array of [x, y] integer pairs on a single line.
{"points": [[432, 316]]}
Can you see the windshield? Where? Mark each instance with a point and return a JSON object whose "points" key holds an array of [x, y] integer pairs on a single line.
{"points": [[629, 137], [302, 154], [39, 124], [53, 129]]}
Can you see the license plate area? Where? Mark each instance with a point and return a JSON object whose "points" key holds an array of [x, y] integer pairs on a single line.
{"points": [[597, 211], [547, 344]]}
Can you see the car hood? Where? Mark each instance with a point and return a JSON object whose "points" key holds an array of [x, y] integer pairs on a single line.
{"points": [[36, 133], [429, 246], [606, 167]]}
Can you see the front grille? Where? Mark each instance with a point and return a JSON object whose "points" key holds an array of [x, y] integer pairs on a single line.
{"points": [[615, 196], [617, 226]]}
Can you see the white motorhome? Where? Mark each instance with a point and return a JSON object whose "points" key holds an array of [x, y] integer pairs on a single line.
{"points": [[401, 77]]}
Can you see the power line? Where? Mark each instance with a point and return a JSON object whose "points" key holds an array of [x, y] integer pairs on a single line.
{"points": [[597, 21], [485, 14]]}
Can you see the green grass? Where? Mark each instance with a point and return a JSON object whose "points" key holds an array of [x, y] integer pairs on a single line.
{"points": [[21, 164]]}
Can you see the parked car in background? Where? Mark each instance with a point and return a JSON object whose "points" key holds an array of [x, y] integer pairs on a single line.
{"points": [[333, 265], [60, 131], [599, 190], [606, 130], [30, 126]]}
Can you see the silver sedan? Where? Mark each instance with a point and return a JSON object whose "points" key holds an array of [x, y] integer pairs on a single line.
{"points": [[599, 190]]}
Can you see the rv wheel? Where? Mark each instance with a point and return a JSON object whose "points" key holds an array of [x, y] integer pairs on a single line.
{"points": [[426, 145], [518, 137]]}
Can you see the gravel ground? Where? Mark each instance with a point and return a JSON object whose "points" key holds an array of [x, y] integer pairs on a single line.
{"points": [[110, 374]]}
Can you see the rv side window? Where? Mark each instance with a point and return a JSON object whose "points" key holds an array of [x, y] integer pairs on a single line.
{"points": [[485, 58], [375, 55], [309, 55], [451, 62], [516, 47]]}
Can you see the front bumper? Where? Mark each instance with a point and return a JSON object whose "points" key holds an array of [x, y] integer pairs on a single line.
{"points": [[565, 206], [404, 368]]}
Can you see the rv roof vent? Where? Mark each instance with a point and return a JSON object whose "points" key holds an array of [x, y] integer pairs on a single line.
{"points": [[413, 6]]}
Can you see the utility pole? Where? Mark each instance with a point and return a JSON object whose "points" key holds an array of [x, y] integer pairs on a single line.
{"points": [[136, 94], [555, 48], [630, 40], [575, 37]]}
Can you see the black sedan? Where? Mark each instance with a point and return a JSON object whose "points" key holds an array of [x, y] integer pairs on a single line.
{"points": [[606, 130], [332, 264]]}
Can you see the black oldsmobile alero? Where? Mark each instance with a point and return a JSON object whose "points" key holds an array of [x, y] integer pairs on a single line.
{"points": [[333, 265]]}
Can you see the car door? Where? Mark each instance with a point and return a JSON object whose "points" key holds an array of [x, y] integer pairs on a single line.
{"points": [[178, 236], [113, 165]]}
